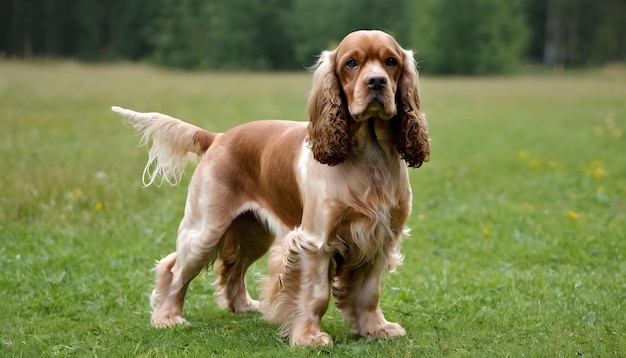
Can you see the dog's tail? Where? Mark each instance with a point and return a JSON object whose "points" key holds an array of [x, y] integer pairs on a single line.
{"points": [[172, 143]]}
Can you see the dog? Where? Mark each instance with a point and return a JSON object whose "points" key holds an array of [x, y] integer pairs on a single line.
{"points": [[328, 198]]}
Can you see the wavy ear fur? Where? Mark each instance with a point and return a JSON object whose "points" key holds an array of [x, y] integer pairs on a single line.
{"points": [[330, 134], [409, 126]]}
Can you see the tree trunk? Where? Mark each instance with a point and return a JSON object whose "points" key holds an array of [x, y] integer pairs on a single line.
{"points": [[551, 45]]}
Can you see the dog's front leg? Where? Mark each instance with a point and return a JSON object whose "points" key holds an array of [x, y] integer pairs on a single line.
{"points": [[357, 296], [297, 292]]}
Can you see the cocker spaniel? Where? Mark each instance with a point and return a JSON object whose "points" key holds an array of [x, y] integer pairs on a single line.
{"points": [[329, 198]]}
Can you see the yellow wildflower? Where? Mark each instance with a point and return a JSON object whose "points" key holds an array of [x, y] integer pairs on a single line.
{"points": [[595, 170], [535, 164], [573, 215], [99, 206], [486, 231]]}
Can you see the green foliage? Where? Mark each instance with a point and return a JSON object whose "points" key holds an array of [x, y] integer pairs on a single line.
{"points": [[229, 35], [318, 25], [576, 32], [518, 225], [128, 30], [471, 37], [453, 37]]}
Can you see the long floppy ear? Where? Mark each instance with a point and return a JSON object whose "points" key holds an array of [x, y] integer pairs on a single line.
{"points": [[409, 126], [330, 137]]}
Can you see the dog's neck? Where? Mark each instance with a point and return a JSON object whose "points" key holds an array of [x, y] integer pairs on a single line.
{"points": [[373, 139]]}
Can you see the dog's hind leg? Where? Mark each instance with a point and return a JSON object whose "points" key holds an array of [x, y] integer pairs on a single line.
{"points": [[196, 249], [245, 241], [161, 317], [198, 245]]}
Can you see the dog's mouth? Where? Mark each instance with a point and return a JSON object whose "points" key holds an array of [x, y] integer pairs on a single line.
{"points": [[376, 108]]}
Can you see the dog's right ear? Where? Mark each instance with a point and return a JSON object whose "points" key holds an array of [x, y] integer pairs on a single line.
{"points": [[330, 137], [409, 126]]}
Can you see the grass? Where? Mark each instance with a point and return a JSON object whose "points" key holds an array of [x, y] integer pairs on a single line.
{"points": [[518, 224]]}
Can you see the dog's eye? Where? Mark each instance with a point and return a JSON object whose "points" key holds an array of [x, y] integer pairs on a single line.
{"points": [[351, 64], [391, 62]]}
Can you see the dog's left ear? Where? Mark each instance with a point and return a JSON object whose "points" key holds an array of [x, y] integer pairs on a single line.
{"points": [[409, 126], [330, 133]]}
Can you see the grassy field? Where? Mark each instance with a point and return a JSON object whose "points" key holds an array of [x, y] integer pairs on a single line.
{"points": [[518, 225]]}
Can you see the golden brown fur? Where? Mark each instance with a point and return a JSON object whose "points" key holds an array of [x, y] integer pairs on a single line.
{"points": [[329, 198]]}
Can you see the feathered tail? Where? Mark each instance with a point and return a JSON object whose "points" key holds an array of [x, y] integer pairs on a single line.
{"points": [[172, 142]]}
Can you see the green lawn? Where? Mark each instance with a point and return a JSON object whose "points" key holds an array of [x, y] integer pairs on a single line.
{"points": [[518, 225]]}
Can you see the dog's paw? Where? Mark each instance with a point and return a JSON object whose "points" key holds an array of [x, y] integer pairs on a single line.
{"points": [[249, 305], [389, 330], [168, 321], [317, 339], [382, 330]]}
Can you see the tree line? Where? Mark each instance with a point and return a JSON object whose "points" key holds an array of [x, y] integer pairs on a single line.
{"points": [[449, 36]]}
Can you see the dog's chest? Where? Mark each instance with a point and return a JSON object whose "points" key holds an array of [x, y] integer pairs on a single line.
{"points": [[363, 233], [365, 221]]}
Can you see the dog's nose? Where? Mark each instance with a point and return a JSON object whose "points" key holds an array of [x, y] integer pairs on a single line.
{"points": [[376, 81]]}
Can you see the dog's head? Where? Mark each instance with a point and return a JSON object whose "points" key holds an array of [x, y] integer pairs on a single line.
{"points": [[368, 76]]}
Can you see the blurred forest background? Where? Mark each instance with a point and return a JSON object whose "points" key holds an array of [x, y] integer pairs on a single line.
{"points": [[450, 36]]}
